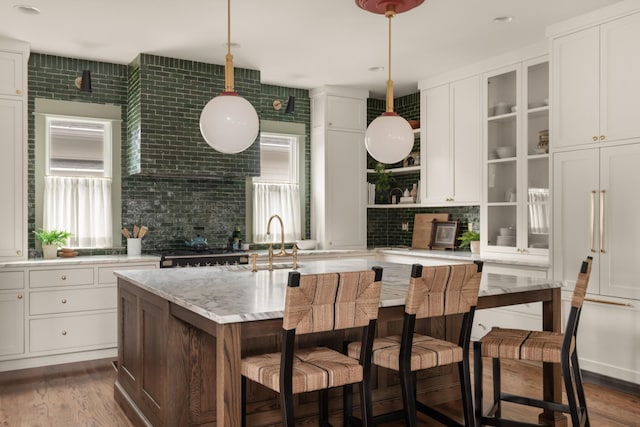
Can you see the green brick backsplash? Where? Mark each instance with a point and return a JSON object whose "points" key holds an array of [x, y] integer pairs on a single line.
{"points": [[169, 204], [384, 226]]}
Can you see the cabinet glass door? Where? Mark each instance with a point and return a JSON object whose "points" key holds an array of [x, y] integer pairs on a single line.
{"points": [[536, 144], [502, 159]]}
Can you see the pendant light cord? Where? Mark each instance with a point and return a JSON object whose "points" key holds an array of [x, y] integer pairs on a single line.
{"points": [[390, 13], [228, 66]]}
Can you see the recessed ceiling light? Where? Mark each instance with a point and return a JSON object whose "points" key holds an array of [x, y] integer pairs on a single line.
{"points": [[29, 10], [376, 69], [232, 44], [502, 19]]}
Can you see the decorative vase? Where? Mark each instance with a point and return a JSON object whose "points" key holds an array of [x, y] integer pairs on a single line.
{"points": [[414, 192], [475, 246], [50, 251]]}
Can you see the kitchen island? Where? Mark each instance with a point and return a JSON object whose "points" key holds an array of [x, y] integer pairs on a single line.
{"points": [[182, 333]]}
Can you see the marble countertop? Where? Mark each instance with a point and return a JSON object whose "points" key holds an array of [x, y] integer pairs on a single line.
{"points": [[235, 294]]}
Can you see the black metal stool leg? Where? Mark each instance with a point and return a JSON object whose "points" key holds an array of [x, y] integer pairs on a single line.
{"points": [[568, 385], [497, 393], [577, 377], [477, 379], [408, 397]]}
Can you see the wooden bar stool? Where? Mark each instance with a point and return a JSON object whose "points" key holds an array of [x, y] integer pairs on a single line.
{"points": [[434, 291], [535, 346], [319, 303]]}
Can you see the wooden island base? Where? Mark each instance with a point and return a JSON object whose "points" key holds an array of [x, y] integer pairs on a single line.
{"points": [[168, 361]]}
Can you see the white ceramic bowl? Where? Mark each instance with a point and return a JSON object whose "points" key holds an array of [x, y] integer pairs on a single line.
{"points": [[507, 231], [506, 240], [505, 152], [306, 244]]}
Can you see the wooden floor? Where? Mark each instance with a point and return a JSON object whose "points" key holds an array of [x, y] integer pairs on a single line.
{"points": [[81, 394]]}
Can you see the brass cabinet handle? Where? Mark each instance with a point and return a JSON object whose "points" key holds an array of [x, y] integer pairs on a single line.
{"points": [[64, 332], [595, 138], [64, 300], [63, 277], [601, 301], [601, 137], [20, 296], [593, 219], [18, 92], [602, 221], [18, 252]]}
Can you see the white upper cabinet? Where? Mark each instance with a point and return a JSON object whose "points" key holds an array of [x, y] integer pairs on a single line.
{"points": [[13, 146], [11, 71], [453, 143], [515, 215], [338, 168], [596, 90]]}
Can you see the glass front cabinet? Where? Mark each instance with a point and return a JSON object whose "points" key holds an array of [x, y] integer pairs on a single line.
{"points": [[516, 207]]}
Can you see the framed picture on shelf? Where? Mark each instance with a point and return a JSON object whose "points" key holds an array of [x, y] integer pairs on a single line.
{"points": [[443, 234]]}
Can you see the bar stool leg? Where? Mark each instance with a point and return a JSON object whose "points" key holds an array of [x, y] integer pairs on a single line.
{"points": [[477, 379], [568, 385], [497, 392], [408, 396], [577, 376]]}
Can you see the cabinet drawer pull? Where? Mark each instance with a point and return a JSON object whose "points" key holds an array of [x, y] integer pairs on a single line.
{"points": [[602, 250], [595, 138], [18, 252], [20, 296], [18, 92], [64, 332], [64, 300], [482, 326], [593, 219], [63, 277], [601, 301], [602, 137]]}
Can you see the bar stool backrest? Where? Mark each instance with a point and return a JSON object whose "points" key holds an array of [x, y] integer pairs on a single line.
{"points": [[442, 290], [331, 301]]}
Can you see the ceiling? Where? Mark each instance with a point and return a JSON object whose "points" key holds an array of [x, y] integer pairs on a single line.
{"points": [[294, 43]]}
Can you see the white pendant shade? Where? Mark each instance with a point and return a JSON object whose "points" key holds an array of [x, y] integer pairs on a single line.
{"points": [[229, 123], [389, 138]]}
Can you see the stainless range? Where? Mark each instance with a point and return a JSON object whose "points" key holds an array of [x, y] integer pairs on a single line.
{"points": [[202, 258]]}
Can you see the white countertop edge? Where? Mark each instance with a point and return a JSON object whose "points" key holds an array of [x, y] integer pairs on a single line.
{"points": [[80, 260]]}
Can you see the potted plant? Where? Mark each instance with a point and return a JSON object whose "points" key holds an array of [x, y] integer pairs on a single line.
{"points": [[384, 180], [472, 239], [51, 240]]}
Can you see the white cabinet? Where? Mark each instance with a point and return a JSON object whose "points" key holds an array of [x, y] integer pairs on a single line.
{"points": [[595, 213], [515, 213], [61, 314], [12, 73], [338, 169], [12, 303], [608, 337], [13, 145], [452, 143], [596, 89]]}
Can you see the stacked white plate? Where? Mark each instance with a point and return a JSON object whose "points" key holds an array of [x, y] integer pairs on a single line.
{"points": [[507, 237]]}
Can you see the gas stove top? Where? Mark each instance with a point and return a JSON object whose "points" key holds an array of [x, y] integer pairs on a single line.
{"points": [[201, 258]]}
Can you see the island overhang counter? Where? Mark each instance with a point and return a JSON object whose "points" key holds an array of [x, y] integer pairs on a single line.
{"points": [[182, 333]]}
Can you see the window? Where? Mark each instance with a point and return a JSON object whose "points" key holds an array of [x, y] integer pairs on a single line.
{"points": [[78, 171], [277, 189]]}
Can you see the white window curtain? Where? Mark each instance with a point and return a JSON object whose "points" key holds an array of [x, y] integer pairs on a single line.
{"points": [[82, 206], [271, 199]]}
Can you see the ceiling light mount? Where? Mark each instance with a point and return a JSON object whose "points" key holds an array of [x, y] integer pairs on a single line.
{"points": [[228, 122], [389, 138]]}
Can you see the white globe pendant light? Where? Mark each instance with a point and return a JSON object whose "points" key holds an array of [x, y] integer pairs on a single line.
{"points": [[228, 122], [389, 138]]}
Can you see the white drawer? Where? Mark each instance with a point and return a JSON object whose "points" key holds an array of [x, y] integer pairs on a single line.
{"points": [[11, 280], [73, 332], [106, 277], [60, 277], [70, 300]]}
